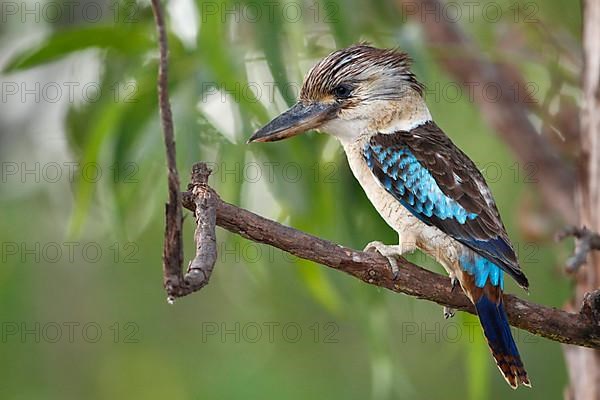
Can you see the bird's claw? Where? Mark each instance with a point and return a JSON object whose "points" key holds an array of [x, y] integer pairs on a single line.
{"points": [[394, 267], [448, 312], [383, 250], [454, 282], [393, 264]]}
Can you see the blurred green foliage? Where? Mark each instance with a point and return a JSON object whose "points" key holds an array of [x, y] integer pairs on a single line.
{"points": [[236, 70]]}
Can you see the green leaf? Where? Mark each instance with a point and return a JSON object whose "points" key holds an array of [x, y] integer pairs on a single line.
{"points": [[59, 44], [334, 13], [319, 285], [477, 362], [270, 37], [227, 67]]}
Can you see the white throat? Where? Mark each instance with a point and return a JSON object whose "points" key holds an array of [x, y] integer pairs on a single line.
{"points": [[377, 117]]}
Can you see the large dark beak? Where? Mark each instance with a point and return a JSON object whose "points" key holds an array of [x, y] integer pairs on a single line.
{"points": [[300, 118]]}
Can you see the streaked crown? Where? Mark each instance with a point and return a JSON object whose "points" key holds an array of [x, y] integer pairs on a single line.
{"points": [[361, 72]]}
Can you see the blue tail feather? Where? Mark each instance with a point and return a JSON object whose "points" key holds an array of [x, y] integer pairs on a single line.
{"points": [[497, 331], [482, 270]]}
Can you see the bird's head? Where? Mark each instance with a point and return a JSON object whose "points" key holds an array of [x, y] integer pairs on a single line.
{"points": [[351, 92]]}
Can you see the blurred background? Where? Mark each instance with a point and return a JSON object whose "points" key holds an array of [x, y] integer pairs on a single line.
{"points": [[83, 311]]}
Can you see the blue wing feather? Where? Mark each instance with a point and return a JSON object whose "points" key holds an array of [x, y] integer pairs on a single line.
{"points": [[405, 176], [413, 185]]}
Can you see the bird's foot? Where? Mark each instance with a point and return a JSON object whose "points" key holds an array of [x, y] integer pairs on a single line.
{"points": [[389, 252], [448, 311]]}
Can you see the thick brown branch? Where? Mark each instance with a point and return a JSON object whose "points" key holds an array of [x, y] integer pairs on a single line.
{"points": [[558, 325], [508, 114], [173, 244]]}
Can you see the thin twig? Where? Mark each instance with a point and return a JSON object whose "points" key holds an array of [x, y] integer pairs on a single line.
{"points": [[205, 206], [201, 266], [585, 241], [555, 324], [173, 244]]}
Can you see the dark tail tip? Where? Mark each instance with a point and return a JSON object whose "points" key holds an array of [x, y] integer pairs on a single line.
{"points": [[504, 350], [512, 369]]}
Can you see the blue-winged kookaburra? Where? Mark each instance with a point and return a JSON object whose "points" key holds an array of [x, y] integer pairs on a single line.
{"points": [[423, 186]]}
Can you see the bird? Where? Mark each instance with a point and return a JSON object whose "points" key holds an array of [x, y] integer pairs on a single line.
{"points": [[423, 186]]}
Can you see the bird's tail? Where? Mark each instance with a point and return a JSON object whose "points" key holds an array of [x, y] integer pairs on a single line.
{"points": [[499, 337]]}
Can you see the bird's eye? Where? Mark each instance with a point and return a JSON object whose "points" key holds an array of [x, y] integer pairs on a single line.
{"points": [[342, 91]]}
